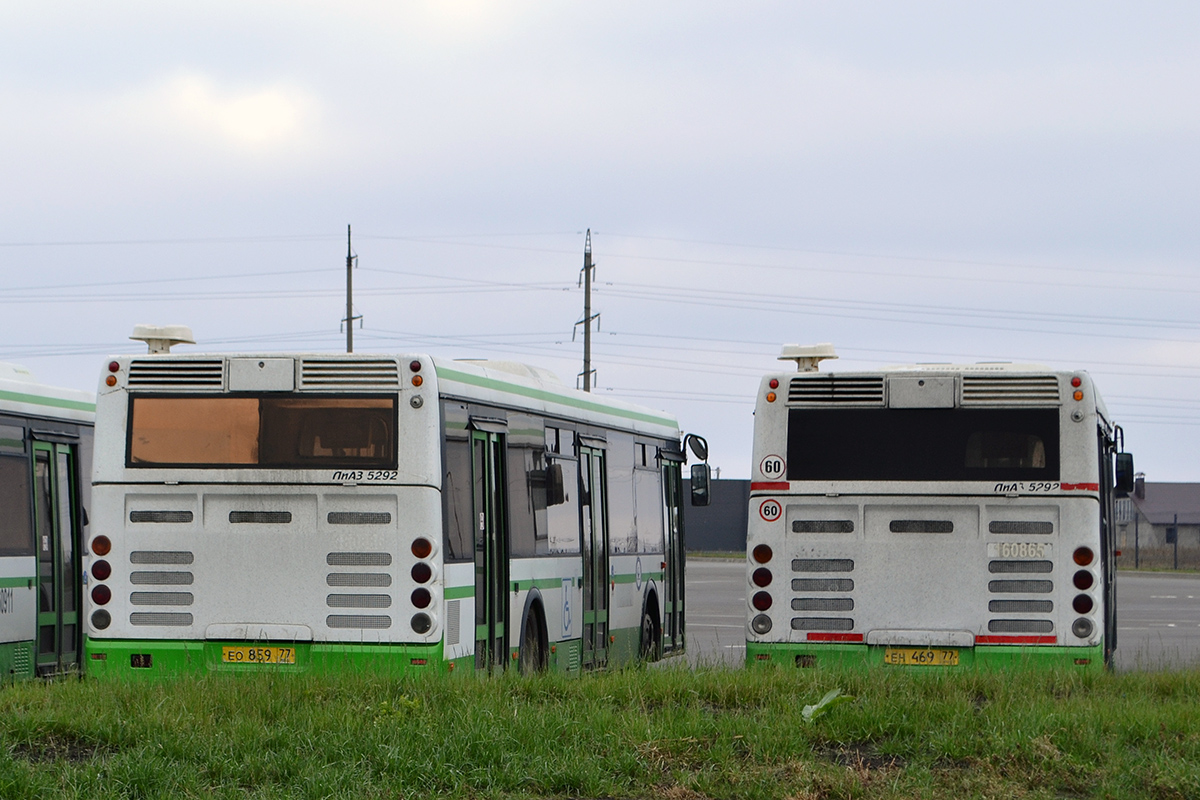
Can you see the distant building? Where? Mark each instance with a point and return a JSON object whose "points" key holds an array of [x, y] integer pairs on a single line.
{"points": [[1159, 525], [720, 526]]}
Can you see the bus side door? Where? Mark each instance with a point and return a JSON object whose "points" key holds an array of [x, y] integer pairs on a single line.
{"points": [[594, 526], [58, 536], [491, 551], [673, 556]]}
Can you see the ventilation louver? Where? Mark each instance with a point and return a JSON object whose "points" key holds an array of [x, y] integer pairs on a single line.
{"points": [[837, 390], [341, 373], [1009, 389], [179, 373]]}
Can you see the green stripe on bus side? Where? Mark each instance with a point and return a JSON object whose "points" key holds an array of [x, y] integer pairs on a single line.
{"points": [[540, 583], [632, 578], [22, 582], [53, 402], [456, 592], [541, 394]]}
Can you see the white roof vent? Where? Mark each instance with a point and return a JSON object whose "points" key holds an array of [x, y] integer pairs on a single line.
{"points": [[160, 338], [807, 356]]}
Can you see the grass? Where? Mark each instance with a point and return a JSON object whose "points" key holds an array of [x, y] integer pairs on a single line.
{"points": [[636, 733]]}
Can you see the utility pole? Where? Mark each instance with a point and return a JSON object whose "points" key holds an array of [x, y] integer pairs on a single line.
{"points": [[349, 320], [586, 276]]}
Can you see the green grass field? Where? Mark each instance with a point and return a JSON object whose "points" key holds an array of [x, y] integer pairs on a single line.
{"points": [[637, 733]]}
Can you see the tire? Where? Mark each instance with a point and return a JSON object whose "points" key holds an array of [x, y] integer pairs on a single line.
{"points": [[532, 656], [651, 647]]}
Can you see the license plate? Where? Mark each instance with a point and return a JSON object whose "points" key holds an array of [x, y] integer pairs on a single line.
{"points": [[258, 655], [921, 656]]}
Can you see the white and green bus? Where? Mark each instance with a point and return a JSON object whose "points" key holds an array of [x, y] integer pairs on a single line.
{"points": [[932, 515], [45, 461], [413, 513]]}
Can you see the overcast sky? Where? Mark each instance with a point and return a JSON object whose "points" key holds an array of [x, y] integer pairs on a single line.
{"points": [[922, 181]]}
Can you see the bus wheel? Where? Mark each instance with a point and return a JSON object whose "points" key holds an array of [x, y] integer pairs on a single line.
{"points": [[532, 657], [651, 647]]}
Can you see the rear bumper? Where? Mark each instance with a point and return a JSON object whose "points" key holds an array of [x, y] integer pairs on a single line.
{"points": [[981, 657], [125, 659]]}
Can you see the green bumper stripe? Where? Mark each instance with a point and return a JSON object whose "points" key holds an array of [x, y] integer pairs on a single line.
{"points": [[53, 402]]}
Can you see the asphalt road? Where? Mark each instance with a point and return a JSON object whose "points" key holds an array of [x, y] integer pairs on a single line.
{"points": [[1158, 617]]}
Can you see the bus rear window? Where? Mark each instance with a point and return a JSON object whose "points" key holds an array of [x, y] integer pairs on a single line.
{"points": [[266, 431], [923, 444]]}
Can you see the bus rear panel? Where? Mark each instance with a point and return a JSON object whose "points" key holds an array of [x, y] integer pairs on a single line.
{"points": [[931, 517]]}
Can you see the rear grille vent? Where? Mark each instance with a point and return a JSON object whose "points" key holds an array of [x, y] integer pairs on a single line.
{"points": [[1020, 587], [822, 585], [359, 559], [359, 621], [823, 526], [161, 598], [835, 389], [1003, 526], [164, 619], [1021, 626], [921, 526], [160, 557], [822, 565], [1021, 606], [453, 613], [1027, 389], [349, 374], [822, 604], [261, 517], [372, 579], [177, 374], [359, 518], [359, 601], [822, 624], [161, 578], [160, 516], [1019, 567]]}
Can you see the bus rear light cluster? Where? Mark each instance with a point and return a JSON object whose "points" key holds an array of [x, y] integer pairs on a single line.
{"points": [[762, 553], [111, 380], [761, 601], [422, 572], [101, 571], [761, 624], [1083, 580]]}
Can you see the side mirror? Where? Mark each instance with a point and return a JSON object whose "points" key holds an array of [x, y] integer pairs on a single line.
{"points": [[555, 493], [1124, 477], [697, 445], [701, 484]]}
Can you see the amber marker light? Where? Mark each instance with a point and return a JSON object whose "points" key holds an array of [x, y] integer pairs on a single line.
{"points": [[770, 397], [111, 380], [1078, 395], [417, 380], [101, 545]]}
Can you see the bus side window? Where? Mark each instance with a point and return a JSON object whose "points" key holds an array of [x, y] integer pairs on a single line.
{"points": [[16, 532], [456, 501]]}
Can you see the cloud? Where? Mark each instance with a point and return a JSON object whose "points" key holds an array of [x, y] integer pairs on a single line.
{"points": [[255, 120]]}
